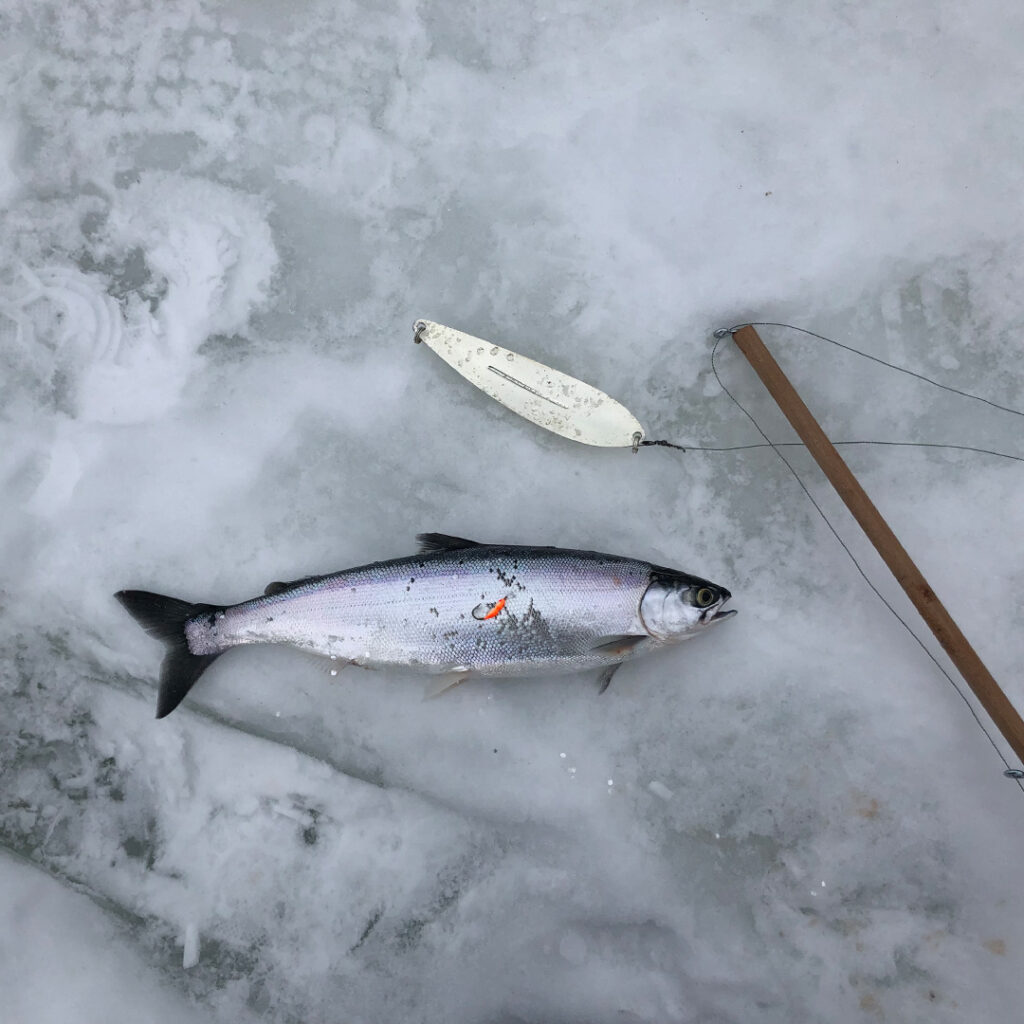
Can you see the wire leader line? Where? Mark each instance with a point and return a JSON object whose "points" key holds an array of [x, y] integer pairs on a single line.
{"points": [[800, 444]]}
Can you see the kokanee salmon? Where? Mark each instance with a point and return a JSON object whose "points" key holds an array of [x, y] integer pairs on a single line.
{"points": [[454, 610]]}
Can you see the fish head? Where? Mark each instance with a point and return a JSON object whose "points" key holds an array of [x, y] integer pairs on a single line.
{"points": [[677, 605]]}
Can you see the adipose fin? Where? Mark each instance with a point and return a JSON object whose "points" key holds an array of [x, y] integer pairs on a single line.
{"points": [[277, 586]]}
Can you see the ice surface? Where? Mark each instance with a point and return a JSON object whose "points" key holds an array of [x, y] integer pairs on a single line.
{"points": [[218, 223], [62, 958]]}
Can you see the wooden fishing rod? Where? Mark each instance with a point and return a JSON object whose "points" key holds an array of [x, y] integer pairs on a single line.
{"points": [[576, 410], [900, 564]]}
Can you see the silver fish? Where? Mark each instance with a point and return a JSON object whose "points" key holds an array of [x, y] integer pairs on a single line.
{"points": [[456, 609]]}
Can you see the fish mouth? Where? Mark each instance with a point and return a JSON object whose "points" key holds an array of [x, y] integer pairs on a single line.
{"points": [[727, 613]]}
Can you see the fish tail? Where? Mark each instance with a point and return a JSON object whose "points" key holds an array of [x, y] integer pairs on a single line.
{"points": [[165, 618]]}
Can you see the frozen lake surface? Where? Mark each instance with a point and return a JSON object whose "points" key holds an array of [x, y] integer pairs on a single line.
{"points": [[218, 222]]}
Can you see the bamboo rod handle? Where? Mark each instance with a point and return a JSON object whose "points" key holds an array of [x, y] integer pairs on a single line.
{"points": [[900, 564]]}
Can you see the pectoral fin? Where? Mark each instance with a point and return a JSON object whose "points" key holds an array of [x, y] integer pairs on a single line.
{"points": [[618, 645], [606, 675]]}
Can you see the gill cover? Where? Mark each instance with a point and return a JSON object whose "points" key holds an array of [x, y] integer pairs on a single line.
{"points": [[676, 605]]}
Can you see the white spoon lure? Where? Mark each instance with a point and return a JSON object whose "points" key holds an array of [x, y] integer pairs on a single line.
{"points": [[543, 395]]}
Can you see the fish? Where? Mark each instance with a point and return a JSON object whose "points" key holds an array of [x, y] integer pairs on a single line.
{"points": [[456, 609]]}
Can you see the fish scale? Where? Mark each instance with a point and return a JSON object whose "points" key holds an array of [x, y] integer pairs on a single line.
{"points": [[419, 611], [456, 608]]}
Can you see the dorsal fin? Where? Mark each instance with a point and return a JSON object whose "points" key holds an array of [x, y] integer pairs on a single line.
{"points": [[277, 586], [444, 542]]}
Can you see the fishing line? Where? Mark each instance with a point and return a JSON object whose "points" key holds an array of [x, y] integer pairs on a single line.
{"points": [[1012, 773], [876, 359], [866, 355]]}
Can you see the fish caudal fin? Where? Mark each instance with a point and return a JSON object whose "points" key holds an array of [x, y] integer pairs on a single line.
{"points": [[164, 618]]}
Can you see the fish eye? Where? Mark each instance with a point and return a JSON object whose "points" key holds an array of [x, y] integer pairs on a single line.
{"points": [[705, 597]]}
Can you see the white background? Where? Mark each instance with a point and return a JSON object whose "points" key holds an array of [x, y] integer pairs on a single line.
{"points": [[217, 225]]}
